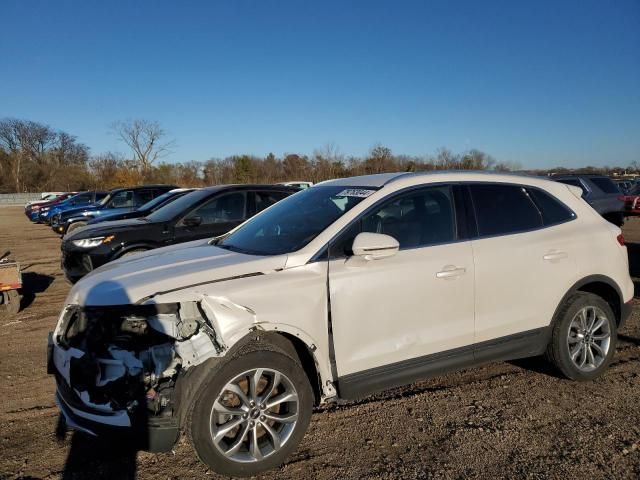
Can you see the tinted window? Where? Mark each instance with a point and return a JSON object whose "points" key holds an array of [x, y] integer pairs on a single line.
{"points": [[605, 184], [423, 217], [503, 209], [228, 207], [143, 196], [295, 221], [266, 199], [553, 211]]}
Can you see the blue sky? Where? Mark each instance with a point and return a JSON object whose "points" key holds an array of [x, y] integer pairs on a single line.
{"points": [[540, 83]]}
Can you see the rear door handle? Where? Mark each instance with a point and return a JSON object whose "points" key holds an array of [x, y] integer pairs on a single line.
{"points": [[450, 272], [555, 255]]}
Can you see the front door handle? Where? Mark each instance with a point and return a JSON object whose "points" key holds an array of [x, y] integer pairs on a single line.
{"points": [[450, 272], [555, 255]]}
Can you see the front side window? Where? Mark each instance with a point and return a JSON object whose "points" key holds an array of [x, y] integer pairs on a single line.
{"points": [[419, 218], [143, 196], [416, 219], [229, 207], [503, 209], [295, 221], [121, 200]]}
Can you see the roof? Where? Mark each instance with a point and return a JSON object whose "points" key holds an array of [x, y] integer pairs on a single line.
{"points": [[381, 179]]}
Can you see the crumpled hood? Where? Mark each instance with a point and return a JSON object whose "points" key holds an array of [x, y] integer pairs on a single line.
{"points": [[134, 278]]}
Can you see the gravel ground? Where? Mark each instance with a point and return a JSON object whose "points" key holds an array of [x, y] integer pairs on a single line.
{"points": [[503, 420]]}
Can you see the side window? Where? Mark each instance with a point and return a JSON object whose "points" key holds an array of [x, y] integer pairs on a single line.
{"points": [[553, 210], [83, 198], [266, 199], [503, 209], [143, 196], [415, 219], [229, 207], [122, 200]]}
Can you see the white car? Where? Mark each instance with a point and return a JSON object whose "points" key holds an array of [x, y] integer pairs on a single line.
{"points": [[302, 185], [347, 288]]}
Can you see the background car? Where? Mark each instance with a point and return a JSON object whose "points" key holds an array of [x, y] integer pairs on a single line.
{"points": [[204, 213], [300, 185], [119, 200], [33, 211], [146, 209], [601, 193], [81, 199]]}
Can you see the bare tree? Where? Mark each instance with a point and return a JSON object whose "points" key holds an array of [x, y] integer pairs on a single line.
{"points": [[145, 139]]}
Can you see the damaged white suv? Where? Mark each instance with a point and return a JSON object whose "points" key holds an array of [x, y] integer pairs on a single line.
{"points": [[347, 288]]}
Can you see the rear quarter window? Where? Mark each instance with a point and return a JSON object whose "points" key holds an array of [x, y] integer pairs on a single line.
{"points": [[553, 210]]}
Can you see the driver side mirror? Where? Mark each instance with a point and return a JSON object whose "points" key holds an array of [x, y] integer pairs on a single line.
{"points": [[192, 221], [374, 246]]}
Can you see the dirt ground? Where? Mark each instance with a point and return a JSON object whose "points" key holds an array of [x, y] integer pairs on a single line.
{"points": [[503, 420]]}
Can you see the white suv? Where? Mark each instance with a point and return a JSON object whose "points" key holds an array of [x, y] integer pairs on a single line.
{"points": [[347, 288]]}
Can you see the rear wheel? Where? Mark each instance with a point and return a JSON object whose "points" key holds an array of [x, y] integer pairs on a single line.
{"points": [[75, 226], [584, 337], [252, 414]]}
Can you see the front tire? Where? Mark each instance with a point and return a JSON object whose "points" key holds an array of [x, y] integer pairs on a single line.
{"points": [[584, 337], [252, 413]]}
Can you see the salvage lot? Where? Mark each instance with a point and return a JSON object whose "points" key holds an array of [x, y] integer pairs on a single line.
{"points": [[513, 419]]}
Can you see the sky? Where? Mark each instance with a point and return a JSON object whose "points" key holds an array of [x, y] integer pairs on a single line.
{"points": [[540, 83]]}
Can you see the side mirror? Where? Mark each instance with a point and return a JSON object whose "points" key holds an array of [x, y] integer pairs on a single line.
{"points": [[374, 246], [192, 221]]}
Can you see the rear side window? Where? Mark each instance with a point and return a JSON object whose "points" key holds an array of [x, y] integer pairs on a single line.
{"points": [[605, 184], [553, 211], [572, 181], [503, 209]]}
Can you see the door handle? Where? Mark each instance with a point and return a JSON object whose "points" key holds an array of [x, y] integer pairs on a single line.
{"points": [[555, 255], [450, 272]]}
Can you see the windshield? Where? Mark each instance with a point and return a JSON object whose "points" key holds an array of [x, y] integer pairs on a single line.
{"points": [[104, 201], [178, 207], [293, 222]]}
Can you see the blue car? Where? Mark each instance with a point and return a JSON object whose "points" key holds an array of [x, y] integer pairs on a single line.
{"points": [[117, 201], [82, 199]]}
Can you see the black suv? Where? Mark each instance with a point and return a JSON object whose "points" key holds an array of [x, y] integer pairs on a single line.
{"points": [[119, 200], [205, 213]]}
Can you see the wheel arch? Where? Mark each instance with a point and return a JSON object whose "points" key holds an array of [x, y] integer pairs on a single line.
{"points": [[600, 285]]}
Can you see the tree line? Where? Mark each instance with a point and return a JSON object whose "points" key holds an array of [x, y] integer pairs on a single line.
{"points": [[35, 157]]}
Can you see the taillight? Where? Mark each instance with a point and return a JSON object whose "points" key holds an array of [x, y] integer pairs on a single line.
{"points": [[620, 239]]}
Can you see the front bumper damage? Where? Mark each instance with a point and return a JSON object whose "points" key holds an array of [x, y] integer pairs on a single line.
{"points": [[119, 369]]}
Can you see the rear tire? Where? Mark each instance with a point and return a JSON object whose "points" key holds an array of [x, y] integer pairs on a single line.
{"points": [[584, 337], [264, 435]]}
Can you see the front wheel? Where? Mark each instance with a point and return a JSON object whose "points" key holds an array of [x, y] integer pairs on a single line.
{"points": [[584, 337], [252, 414]]}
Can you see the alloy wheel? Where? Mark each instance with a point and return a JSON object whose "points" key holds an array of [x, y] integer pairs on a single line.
{"points": [[254, 415]]}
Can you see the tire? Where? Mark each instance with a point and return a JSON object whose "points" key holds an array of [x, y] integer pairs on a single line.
{"points": [[10, 302], [203, 423], [574, 341], [75, 226]]}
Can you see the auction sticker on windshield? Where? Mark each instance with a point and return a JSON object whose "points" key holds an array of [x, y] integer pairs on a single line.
{"points": [[355, 192]]}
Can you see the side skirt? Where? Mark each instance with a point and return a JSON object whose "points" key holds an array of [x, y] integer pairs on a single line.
{"points": [[519, 345]]}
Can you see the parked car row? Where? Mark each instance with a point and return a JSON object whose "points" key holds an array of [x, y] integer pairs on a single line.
{"points": [[283, 302]]}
